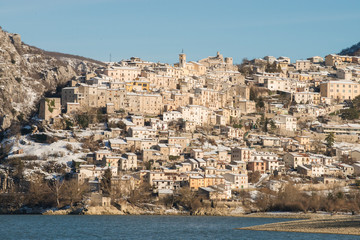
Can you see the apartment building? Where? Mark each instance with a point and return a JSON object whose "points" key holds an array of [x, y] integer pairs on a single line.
{"points": [[123, 73], [148, 104], [194, 113], [286, 122], [340, 90], [307, 97], [245, 106], [129, 162], [281, 84], [293, 160], [171, 116], [302, 65], [347, 128], [238, 181], [241, 154], [207, 97], [335, 60]]}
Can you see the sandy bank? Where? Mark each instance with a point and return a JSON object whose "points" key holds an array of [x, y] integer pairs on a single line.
{"points": [[337, 224]]}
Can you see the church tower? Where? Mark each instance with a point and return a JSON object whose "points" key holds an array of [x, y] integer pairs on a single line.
{"points": [[182, 60]]}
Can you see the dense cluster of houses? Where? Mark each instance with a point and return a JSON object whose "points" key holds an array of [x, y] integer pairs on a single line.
{"points": [[198, 124]]}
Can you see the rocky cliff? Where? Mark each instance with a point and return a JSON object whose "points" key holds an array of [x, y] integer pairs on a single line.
{"points": [[27, 73]]}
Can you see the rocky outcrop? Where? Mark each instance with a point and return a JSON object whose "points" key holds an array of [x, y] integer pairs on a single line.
{"points": [[103, 211], [27, 72], [57, 212]]}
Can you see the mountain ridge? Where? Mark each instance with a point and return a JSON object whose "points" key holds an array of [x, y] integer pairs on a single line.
{"points": [[354, 50], [28, 72]]}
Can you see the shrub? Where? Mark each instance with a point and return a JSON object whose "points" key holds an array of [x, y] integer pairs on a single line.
{"points": [[57, 154], [54, 167], [83, 120], [43, 138], [28, 157], [90, 144], [69, 147], [5, 149], [50, 104], [172, 158], [254, 177], [68, 124]]}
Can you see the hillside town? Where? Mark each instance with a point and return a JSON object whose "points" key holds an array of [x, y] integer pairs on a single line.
{"points": [[210, 128]]}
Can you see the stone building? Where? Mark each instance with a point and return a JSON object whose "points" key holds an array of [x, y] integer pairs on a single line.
{"points": [[340, 90], [49, 108]]}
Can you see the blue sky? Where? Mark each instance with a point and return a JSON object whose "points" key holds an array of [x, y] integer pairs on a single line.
{"points": [[157, 30]]}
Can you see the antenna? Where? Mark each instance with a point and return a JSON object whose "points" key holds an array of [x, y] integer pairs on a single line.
{"points": [[110, 58]]}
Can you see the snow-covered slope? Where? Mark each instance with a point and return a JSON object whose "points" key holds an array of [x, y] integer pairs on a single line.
{"points": [[27, 72]]}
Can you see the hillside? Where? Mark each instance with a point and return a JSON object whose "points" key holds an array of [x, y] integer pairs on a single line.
{"points": [[354, 50], [27, 72]]}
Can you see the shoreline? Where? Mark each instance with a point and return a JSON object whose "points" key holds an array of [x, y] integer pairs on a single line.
{"points": [[98, 210], [335, 224], [322, 222]]}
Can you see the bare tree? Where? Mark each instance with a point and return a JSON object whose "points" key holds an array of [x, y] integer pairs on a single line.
{"points": [[188, 199], [73, 192], [141, 195], [39, 193], [55, 186]]}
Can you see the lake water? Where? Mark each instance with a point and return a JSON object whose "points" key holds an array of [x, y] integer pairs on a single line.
{"points": [[143, 227]]}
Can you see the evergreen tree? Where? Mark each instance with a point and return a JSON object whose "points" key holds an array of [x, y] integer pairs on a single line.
{"points": [[272, 125], [350, 114], [106, 182], [330, 139], [260, 103]]}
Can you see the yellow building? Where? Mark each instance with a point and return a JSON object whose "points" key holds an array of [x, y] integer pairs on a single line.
{"points": [[301, 76], [340, 90], [333, 59], [138, 85], [204, 181], [282, 64]]}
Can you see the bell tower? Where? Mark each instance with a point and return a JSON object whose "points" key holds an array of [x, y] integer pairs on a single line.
{"points": [[182, 59]]}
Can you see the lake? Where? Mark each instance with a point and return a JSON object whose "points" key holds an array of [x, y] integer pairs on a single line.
{"points": [[143, 227]]}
